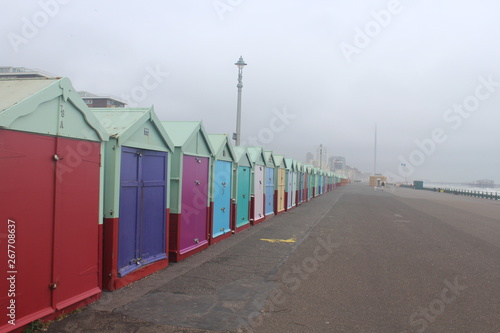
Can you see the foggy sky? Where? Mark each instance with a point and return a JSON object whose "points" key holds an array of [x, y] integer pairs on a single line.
{"points": [[319, 72]]}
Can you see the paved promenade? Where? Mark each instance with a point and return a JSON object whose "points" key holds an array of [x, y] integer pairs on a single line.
{"points": [[352, 260]]}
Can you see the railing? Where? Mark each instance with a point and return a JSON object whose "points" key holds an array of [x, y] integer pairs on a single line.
{"points": [[471, 193], [468, 193]]}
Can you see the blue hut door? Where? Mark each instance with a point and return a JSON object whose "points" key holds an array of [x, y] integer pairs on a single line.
{"points": [[222, 198], [243, 196], [142, 224], [269, 191]]}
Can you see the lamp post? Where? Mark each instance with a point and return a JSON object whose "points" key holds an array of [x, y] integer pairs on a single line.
{"points": [[240, 65]]}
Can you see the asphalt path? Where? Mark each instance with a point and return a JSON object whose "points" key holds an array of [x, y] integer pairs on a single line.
{"points": [[352, 260]]}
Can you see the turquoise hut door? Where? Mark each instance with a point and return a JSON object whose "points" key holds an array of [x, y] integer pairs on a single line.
{"points": [[243, 196], [222, 198]]}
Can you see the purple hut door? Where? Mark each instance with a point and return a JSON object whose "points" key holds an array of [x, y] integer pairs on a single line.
{"points": [[193, 225], [201, 200], [129, 211], [142, 226], [154, 197]]}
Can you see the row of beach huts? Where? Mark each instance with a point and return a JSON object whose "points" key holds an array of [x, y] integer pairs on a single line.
{"points": [[93, 199]]}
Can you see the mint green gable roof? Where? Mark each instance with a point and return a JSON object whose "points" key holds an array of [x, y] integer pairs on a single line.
{"points": [[279, 161], [222, 147], [269, 159], [242, 156], [47, 106], [189, 136], [132, 127], [290, 164], [256, 155]]}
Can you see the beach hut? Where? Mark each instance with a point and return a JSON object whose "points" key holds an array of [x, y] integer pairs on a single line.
{"points": [[135, 195], [242, 188], [310, 181], [257, 199], [222, 188], [300, 183], [305, 183], [270, 175], [290, 191], [325, 181], [320, 181], [289, 182], [279, 184], [317, 180], [295, 185], [189, 188], [50, 194], [330, 181]]}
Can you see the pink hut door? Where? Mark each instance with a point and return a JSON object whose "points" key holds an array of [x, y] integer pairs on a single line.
{"points": [[193, 224]]}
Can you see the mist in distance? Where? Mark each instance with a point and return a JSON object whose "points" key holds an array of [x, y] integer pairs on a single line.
{"points": [[322, 72]]}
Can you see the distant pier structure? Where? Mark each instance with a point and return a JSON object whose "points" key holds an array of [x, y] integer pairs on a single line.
{"points": [[483, 183]]}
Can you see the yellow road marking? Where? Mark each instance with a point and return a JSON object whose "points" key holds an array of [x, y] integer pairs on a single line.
{"points": [[290, 240]]}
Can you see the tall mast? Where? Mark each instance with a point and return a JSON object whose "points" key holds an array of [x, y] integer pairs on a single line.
{"points": [[375, 153]]}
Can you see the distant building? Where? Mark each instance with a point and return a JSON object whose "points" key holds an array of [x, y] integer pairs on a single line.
{"points": [[22, 72], [96, 101], [321, 156], [337, 163], [309, 158], [353, 173], [378, 180]]}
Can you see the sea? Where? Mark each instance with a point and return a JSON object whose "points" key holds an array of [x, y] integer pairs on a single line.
{"points": [[461, 186]]}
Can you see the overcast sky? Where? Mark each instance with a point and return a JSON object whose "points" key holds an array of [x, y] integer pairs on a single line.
{"points": [[319, 72]]}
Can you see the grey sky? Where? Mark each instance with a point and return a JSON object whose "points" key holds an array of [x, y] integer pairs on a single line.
{"points": [[306, 59]]}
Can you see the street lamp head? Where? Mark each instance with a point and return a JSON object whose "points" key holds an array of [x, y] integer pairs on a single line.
{"points": [[241, 63]]}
